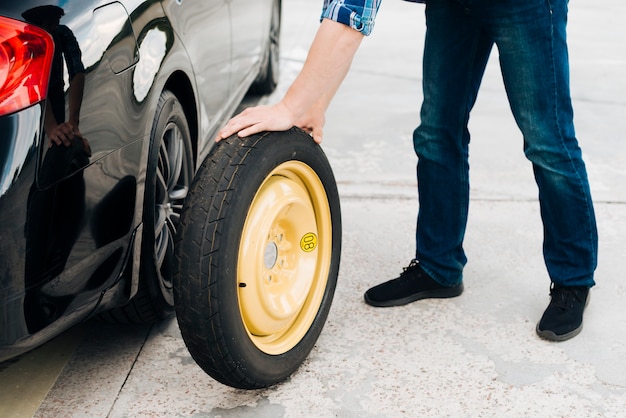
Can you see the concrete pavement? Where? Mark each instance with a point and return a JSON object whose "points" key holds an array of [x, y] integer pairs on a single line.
{"points": [[476, 355]]}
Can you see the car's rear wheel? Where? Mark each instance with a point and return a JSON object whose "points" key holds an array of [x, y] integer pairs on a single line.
{"points": [[258, 255], [168, 178]]}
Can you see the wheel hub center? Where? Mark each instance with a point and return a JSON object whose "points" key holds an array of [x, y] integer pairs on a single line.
{"points": [[270, 256]]}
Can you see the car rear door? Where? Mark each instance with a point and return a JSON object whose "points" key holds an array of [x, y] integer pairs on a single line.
{"points": [[204, 29], [251, 26]]}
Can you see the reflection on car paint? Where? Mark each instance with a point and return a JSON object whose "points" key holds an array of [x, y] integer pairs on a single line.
{"points": [[114, 34], [24, 127], [152, 51]]}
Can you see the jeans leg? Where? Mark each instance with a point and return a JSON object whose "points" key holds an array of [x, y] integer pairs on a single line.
{"points": [[535, 69], [455, 55]]}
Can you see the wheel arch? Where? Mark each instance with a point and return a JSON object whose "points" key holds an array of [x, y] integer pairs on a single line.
{"points": [[180, 85]]}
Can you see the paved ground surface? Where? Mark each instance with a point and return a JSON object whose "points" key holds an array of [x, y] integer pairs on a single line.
{"points": [[476, 355]]}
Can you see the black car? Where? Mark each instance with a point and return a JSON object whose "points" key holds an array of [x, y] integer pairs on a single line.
{"points": [[107, 110]]}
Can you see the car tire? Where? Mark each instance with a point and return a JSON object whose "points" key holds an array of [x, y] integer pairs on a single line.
{"points": [[267, 80], [168, 179], [258, 254]]}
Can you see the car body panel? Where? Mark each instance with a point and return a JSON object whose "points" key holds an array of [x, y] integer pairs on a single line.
{"points": [[70, 217]]}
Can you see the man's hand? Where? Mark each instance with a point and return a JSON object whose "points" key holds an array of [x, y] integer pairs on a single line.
{"points": [[257, 119], [313, 121], [62, 134], [273, 118]]}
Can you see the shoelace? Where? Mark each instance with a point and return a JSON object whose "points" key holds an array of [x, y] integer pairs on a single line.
{"points": [[412, 265], [563, 297]]}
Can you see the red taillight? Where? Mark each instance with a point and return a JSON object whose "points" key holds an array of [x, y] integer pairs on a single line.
{"points": [[26, 53]]}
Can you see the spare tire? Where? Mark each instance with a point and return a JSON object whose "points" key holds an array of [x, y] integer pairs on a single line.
{"points": [[257, 253]]}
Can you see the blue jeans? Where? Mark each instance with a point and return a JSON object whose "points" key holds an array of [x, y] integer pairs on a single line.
{"points": [[531, 40]]}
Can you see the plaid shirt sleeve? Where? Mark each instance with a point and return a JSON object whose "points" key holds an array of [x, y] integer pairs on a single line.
{"points": [[358, 14], [71, 51]]}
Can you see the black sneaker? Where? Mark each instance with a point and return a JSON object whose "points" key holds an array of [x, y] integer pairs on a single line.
{"points": [[413, 284], [563, 318]]}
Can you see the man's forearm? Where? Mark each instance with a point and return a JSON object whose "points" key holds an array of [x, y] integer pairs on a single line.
{"points": [[325, 68], [310, 94], [77, 86]]}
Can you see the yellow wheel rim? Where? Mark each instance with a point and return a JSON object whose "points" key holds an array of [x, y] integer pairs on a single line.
{"points": [[284, 257]]}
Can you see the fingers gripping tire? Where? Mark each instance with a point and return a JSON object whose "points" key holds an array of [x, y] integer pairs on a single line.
{"points": [[258, 255]]}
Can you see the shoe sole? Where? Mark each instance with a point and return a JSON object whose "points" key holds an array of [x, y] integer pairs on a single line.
{"points": [[445, 293], [551, 336]]}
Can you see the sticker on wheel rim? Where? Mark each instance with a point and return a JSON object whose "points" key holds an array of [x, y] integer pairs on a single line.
{"points": [[308, 242]]}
